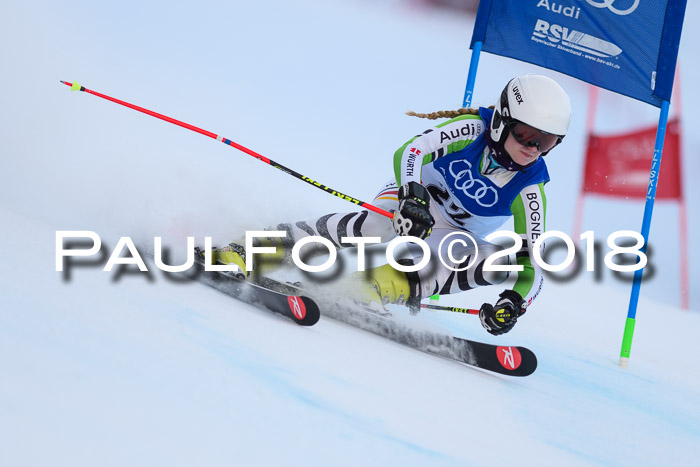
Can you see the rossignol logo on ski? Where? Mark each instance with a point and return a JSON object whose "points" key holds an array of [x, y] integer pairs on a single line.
{"points": [[509, 357], [297, 307]]}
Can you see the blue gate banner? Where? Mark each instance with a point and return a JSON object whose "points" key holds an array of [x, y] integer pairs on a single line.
{"points": [[627, 46]]}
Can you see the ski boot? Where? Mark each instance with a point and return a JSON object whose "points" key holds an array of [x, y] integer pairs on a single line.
{"points": [[234, 253], [385, 285], [231, 254]]}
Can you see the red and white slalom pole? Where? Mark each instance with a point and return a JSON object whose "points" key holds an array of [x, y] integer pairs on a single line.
{"points": [[74, 86]]}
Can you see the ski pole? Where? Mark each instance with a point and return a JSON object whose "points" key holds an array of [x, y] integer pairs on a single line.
{"points": [[453, 309], [74, 86]]}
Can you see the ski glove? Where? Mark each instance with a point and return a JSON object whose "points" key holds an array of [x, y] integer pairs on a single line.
{"points": [[413, 217], [500, 318]]}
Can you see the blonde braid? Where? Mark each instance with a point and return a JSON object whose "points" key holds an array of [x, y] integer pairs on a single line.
{"points": [[446, 113]]}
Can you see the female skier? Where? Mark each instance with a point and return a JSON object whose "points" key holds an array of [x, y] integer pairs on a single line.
{"points": [[468, 174]]}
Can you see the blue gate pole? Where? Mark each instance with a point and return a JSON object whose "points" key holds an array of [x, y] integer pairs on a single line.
{"points": [[646, 223], [471, 77]]}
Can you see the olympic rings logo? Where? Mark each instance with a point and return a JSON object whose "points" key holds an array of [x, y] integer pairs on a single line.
{"points": [[485, 196], [609, 5]]}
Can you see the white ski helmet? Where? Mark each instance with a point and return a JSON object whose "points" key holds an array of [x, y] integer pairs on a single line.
{"points": [[536, 100]]}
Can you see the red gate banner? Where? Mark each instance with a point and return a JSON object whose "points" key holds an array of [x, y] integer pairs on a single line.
{"points": [[619, 165]]}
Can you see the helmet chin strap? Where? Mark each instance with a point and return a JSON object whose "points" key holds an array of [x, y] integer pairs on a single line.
{"points": [[500, 154]]}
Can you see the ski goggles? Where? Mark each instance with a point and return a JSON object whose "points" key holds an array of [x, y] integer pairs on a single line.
{"points": [[530, 136]]}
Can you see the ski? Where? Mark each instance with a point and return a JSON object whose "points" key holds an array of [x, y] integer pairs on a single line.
{"points": [[505, 360], [300, 309]]}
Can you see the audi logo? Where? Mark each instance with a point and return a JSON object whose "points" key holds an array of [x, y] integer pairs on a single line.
{"points": [[609, 5], [484, 195]]}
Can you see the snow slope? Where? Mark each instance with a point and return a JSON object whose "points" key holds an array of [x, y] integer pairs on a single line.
{"points": [[113, 369], [100, 370]]}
